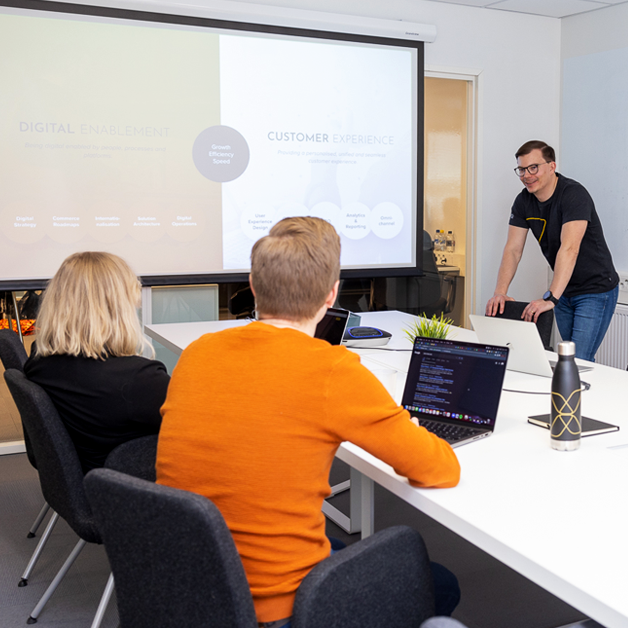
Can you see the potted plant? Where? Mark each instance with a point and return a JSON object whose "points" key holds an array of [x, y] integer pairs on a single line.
{"points": [[436, 327]]}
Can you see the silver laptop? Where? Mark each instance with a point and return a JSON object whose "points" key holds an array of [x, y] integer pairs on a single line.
{"points": [[527, 354], [453, 388]]}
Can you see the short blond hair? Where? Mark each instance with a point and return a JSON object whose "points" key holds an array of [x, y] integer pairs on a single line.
{"points": [[294, 268], [89, 309]]}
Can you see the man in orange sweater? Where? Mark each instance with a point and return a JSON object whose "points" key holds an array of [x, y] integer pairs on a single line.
{"points": [[254, 416]]}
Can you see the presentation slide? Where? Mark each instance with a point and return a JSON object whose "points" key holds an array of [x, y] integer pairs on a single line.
{"points": [[178, 147]]}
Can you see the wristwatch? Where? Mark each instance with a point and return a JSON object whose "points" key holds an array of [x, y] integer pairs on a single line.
{"points": [[548, 296]]}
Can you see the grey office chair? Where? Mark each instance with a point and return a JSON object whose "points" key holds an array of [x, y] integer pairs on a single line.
{"points": [[545, 323], [434, 293], [135, 457], [12, 352], [14, 356], [175, 564], [172, 555], [60, 476], [383, 580]]}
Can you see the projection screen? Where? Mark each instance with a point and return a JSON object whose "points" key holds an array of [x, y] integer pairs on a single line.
{"points": [[177, 142]]}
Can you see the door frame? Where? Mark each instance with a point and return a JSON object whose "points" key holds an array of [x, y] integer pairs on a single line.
{"points": [[473, 78]]}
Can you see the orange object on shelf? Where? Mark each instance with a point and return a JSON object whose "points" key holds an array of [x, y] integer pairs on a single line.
{"points": [[27, 325]]}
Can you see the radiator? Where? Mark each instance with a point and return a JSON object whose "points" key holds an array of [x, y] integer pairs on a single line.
{"points": [[614, 348]]}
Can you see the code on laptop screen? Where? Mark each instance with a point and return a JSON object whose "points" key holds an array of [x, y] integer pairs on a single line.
{"points": [[455, 380]]}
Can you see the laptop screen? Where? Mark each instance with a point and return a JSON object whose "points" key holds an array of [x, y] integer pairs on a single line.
{"points": [[332, 325], [455, 380]]}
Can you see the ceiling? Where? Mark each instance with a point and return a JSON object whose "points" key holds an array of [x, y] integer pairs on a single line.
{"points": [[548, 8]]}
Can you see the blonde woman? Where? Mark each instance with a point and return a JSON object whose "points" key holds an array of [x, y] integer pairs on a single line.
{"points": [[88, 356]]}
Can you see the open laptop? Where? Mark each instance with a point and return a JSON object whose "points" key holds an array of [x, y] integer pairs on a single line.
{"points": [[527, 354], [453, 388], [332, 326]]}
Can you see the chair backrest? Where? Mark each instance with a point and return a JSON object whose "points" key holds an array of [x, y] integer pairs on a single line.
{"points": [[136, 457], [12, 352], [384, 580], [58, 465], [14, 356], [545, 323], [173, 558]]}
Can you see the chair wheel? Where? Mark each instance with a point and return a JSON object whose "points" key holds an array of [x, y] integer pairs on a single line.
{"points": [[31, 620], [30, 535], [23, 582]]}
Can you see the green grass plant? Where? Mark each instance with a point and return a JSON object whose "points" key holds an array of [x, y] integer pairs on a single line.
{"points": [[435, 327]]}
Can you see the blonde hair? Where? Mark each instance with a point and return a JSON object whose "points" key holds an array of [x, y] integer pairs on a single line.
{"points": [[89, 309], [294, 268]]}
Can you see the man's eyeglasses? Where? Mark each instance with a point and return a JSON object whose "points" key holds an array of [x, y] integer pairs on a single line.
{"points": [[532, 169]]}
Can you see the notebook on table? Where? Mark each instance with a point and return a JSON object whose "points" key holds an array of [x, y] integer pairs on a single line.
{"points": [[527, 354], [590, 427], [453, 388]]}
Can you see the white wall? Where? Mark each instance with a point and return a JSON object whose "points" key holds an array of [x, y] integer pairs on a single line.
{"points": [[518, 57], [594, 120]]}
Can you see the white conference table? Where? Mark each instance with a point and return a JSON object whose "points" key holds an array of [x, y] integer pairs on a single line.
{"points": [[558, 518]]}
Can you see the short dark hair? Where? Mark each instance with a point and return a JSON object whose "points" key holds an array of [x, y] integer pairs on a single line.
{"points": [[528, 147]]}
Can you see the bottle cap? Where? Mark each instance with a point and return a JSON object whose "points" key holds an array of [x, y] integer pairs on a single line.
{"points": [[567, 348]]}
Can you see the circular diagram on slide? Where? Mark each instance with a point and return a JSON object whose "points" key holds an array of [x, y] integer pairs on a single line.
{"points": [[386, 220], [220, 153]]}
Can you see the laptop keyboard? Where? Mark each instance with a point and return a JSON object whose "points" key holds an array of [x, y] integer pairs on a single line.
{"points": [[450, 433]]}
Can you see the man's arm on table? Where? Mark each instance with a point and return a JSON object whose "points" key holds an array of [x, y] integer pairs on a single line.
{"points": [[571, 236], [371, 419], [507, 269]]}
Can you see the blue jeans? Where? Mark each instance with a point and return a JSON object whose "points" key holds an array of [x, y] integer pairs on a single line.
{"points": [[585, 319]]}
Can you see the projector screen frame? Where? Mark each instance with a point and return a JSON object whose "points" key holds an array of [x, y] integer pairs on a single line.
{"points": [[197, 21]]}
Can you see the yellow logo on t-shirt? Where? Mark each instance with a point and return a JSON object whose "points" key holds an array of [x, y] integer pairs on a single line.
{"points": [[544, 225]]}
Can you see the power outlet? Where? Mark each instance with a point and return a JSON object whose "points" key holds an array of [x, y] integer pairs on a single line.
{"points": [[623, 289]]}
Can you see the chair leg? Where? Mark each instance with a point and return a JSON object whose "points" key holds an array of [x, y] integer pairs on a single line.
{"points": [[38, 550], [55, 583], [40, 517], [104, 602], [17, 317]]}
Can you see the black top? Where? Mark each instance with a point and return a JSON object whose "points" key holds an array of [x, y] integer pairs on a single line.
{"points": [[103, 403], [594, 271]]}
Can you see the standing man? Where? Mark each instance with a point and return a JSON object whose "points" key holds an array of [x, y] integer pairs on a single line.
{"points": [[255, 414], [561, 215]]}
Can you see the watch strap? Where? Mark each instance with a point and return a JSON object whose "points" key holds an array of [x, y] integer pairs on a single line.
{"points": [[548, 296]]}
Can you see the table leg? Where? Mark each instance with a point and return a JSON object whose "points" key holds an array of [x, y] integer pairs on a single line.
{"points": [[367, 505], [361, 506]]}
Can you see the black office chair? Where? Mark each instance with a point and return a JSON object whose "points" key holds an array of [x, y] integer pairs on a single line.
{"points": [[383, 580], [436, 290], [12, 352], [434, 293], [9, 306], [242, 302], [545, 323], [172, 555], [135, 457], [60, 476], [14, 356], [175, 564]]}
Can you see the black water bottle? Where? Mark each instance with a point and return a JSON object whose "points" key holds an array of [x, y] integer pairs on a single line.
{"points": [[566, 425]]}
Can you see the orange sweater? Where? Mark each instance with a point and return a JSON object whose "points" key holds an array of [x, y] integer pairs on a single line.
{"points": [[253, 418]]}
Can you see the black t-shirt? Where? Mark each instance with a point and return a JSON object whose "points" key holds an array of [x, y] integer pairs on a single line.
{"points": [[103, 403], [594, 271]]}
